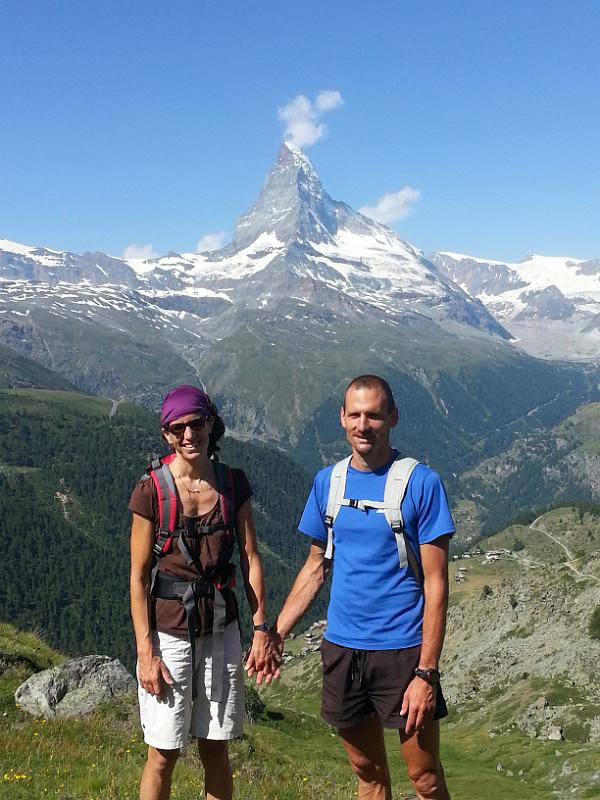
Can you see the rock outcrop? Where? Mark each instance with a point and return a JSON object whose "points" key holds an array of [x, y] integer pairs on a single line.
{"points": [[76, 687]]}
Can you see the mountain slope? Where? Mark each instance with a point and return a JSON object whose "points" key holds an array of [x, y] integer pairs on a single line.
{"points": [[308, 294], [17, 371], [68, 464], [544, 468], [551, 305]]}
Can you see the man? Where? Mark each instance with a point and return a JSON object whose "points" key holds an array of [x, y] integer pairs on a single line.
{"points": [[386, 621]]}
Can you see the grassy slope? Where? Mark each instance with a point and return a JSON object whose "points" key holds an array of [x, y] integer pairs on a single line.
{"points": [[546, 467], [289, 756], [17, 371]]}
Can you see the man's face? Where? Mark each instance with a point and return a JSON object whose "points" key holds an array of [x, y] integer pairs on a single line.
{"points": [[367, 421]]}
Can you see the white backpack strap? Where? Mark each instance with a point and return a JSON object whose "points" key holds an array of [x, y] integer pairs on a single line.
{"points": [[337, 488], [396, 485]]}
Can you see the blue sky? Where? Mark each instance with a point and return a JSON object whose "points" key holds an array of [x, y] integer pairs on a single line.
{"points": [[154, 123]]}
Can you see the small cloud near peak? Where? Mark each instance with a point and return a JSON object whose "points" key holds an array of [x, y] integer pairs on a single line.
{"points": [[302, 117], [211, 241], [393, 206], [146, 251]]}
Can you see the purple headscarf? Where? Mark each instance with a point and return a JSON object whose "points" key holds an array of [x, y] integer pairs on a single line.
{"points": [[183, 400]]}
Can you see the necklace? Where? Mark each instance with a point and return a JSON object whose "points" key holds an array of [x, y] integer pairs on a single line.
{"points": [[188, 489]]}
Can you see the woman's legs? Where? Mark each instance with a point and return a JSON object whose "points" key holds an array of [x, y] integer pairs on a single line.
{"points": [[214, 755], [156, 777]]}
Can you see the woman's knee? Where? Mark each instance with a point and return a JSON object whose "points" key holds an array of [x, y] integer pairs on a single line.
{"points": [[162, 760], [213, 750]]}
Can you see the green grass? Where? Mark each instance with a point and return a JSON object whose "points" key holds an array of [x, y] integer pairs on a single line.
{"points": [[480, 575], [52, 403], [289, 754], [294, 758]]}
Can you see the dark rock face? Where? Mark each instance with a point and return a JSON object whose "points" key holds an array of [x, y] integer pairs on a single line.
{"points": [[199, 306], [550, 303], [589, 267], [76, 687], [479, 277]]}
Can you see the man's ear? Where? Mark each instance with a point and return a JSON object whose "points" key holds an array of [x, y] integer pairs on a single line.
{"points": [[343, 417], [394, 418]]}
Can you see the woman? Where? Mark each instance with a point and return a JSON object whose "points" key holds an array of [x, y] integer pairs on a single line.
{"points": [[187, 515]]}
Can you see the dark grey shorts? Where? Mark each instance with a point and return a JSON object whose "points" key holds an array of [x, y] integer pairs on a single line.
{"points": [[360, 683]]}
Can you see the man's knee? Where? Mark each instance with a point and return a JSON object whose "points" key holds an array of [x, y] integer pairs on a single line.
{"points": [[368, 770], [428, 782]]}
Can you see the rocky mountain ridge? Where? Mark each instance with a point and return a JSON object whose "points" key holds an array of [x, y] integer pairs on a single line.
{"points": [[551, 305], [308, 293], [293, 242]]}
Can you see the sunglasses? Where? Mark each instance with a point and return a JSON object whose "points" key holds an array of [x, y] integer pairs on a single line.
{"points": [[178, 428]]}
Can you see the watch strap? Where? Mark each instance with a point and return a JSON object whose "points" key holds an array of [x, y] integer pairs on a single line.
{"points": [[431, 676], [263, 627]]}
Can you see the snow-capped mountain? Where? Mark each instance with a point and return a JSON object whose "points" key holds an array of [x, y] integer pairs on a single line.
{"points": [[308, 293], [296, 240], [550, 304]]}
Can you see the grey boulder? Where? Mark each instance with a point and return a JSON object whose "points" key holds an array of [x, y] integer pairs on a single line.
{"points": [[75, 687]]}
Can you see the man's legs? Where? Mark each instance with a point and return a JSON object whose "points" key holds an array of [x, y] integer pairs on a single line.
{"points": [[156, 777], [421, 752], [365, 747], [218, 782]]}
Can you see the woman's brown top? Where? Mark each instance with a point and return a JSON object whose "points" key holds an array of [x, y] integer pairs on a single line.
{"points": [[209, 551]]}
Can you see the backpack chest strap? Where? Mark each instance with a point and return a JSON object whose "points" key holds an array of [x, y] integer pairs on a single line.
{"points": [[363, 505], [396, 485]]}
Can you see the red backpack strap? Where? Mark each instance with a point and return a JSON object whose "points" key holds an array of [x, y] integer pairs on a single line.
{"points": [[167, 503]]}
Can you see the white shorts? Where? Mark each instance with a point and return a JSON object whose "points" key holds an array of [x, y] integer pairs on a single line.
{"points": [[169, 722]]}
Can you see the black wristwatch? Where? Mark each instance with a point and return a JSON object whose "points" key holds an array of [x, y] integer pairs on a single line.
{"points": [[264, 627], [432, 676]]}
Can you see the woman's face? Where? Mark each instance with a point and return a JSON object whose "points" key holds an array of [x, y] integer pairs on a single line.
{"points": [[188, 435]]}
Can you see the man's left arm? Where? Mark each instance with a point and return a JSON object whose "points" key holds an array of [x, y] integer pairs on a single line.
{"points": [[419, 697]]}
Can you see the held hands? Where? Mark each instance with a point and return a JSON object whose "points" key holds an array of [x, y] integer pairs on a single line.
{"points": [[418, 705], [263, 657], [153, 674]]}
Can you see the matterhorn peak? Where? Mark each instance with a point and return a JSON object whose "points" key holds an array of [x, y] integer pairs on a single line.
{"points": [[289, 156]]}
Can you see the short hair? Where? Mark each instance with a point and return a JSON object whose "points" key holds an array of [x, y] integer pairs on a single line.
{"points": [[369, 381]]}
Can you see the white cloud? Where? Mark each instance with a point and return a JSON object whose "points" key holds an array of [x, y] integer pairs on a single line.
{"points": [[139, 251], [393, 206], [329, 100], [211, 241], [301, 117]]}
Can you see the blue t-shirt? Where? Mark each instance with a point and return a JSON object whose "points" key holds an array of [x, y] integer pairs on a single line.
{"points": [[374, 604]]}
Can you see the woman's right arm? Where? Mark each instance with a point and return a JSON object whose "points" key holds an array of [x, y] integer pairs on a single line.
{"points": [[151, 669]]}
